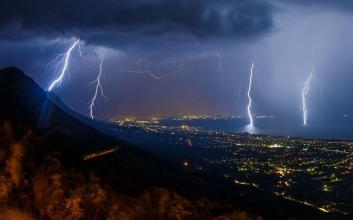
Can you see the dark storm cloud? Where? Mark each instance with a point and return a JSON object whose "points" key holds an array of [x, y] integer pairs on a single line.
{"points": [[200, 18], [344, 5]]}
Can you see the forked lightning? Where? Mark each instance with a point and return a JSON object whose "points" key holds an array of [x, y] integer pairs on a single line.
{"points": [[65, 59], [305, 92]]}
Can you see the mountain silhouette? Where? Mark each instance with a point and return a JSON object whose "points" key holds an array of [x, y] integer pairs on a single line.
{"points": [[27, 103]]}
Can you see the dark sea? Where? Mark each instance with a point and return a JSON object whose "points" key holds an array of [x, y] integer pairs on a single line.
{"points": [[270, 126]]}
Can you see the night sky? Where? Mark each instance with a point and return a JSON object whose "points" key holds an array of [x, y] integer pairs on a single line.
{"points": [[204, 48]]}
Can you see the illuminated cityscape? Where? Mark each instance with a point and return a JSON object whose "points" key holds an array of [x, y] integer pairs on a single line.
{"points": [[316, 173]]}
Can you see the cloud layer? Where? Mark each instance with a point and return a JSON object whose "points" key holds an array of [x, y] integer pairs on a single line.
{"points": [[197, 18]]}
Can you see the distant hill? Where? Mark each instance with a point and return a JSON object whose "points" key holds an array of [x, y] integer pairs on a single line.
{"points": [[44, 174], [28, 104]]}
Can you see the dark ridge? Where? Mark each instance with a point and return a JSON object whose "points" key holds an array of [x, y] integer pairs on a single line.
{"points": [[28, 104]]}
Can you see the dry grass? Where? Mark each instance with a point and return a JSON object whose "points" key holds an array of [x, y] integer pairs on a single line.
{"points": [[46, 190], [14, 214]]}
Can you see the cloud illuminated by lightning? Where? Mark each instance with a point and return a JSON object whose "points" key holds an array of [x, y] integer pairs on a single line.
{"points": [[65, 59], [98, 88], [249, 96], [305, 92]]}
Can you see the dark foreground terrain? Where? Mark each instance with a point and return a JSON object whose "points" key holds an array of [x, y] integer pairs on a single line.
{"points": [[50, 168]]}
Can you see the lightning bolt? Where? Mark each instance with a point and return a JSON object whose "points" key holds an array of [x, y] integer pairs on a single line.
{"points": [[305, 92], [98, 88], [157, 76], [154, 75], [220, 72], [249, 96], [65, 58]]}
